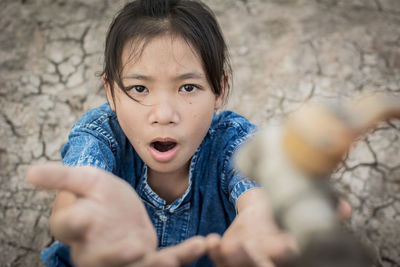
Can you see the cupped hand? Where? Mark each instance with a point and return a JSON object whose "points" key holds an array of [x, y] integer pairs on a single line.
{"points": [[107, 225]]}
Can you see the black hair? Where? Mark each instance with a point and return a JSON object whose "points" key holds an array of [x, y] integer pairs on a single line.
{"points": [[141, 20]]}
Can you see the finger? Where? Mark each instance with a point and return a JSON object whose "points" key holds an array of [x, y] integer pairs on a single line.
{"points": [[213, 243], [236, 255], [175, 256], [77, 180], [71, 224], [281, 246], [187, 251], [344, 209], [228, 254], [278, 249]]}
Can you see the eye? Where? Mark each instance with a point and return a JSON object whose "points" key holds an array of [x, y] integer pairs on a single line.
{"points": [[138, 89], [189, 88]]}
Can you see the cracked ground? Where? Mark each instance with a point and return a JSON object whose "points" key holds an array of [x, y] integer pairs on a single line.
{"points": [[283, 53]]}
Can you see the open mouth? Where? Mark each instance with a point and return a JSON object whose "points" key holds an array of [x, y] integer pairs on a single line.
{"points": [[163, 146]]}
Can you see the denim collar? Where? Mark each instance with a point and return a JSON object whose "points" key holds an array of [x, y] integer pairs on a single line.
{"points": [[148, 194]]}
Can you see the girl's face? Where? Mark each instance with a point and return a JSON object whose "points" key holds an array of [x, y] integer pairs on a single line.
{"points": [[175, 103]]}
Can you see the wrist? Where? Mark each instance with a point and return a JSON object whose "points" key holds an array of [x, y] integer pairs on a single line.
{"points": [[255, 198]]}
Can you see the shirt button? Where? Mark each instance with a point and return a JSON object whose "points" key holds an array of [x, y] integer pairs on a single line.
{"points": [[163, 217]]}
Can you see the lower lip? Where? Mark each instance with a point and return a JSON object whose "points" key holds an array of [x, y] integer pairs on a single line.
{"points": [[163, 156]]}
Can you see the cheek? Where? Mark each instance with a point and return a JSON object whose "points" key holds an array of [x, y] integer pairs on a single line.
{"points": [[201, 110], [201, 118], [131, 125], [128, 119]]}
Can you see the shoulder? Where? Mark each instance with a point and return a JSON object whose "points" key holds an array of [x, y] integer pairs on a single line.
{"points": [[97, 116], [101, 123], [96, 139], [227, 132], [229, 126]]}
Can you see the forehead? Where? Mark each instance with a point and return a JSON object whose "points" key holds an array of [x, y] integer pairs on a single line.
{"points": [[164, 52]]}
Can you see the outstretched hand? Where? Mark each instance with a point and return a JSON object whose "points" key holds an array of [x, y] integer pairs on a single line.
{"points": [[253, 239], [107, 225]]}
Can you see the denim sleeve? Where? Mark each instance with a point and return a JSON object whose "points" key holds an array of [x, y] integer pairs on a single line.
{"points": [[236, 182], [239, 184], [88, 146]]}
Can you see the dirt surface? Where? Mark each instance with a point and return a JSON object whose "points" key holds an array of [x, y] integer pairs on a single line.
{"points": [[283, 53]]}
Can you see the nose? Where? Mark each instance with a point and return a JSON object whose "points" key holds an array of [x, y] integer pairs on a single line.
{"points": [[164, 111]]}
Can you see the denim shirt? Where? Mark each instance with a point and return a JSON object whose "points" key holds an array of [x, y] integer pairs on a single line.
{"points": [[207, 206]]}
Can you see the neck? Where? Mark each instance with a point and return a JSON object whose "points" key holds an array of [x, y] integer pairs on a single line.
{"points": [[169, 186]]}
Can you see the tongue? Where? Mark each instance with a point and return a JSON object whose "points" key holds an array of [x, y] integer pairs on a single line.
{"points": [[164, 146]]}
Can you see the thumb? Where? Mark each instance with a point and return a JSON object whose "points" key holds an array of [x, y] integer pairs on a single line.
{"points": [[77, 180], [188, 251]]}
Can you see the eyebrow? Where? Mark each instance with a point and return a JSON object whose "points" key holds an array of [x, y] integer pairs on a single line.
{"points": [[184, 76], [190, 75]]}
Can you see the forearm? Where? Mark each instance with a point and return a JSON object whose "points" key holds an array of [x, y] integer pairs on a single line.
{"points": [[255, 199]]}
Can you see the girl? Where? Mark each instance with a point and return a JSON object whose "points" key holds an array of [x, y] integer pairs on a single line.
{"points": [[166, 74]]}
